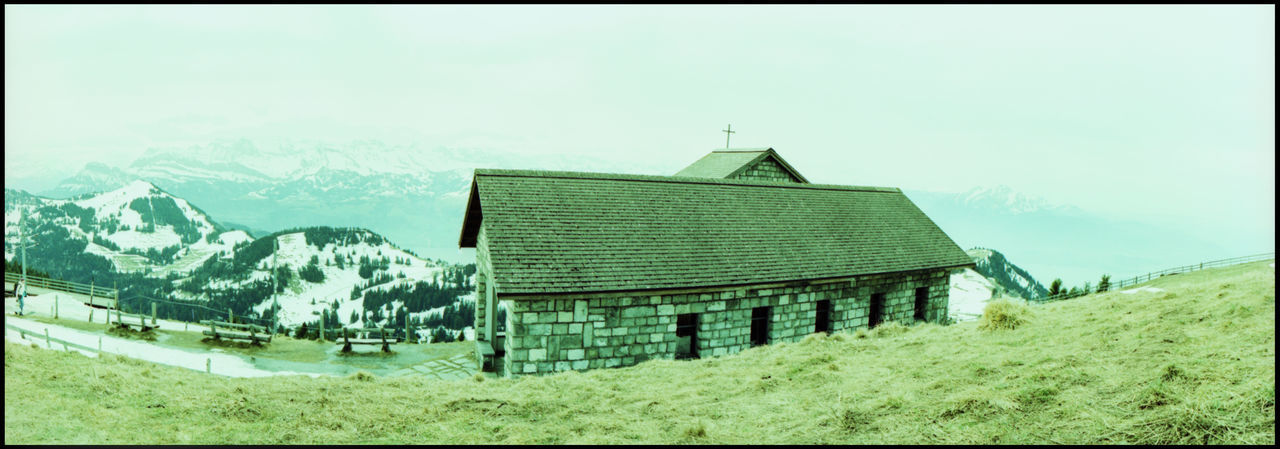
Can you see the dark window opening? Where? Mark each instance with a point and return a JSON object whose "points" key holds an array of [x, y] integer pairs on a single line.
{"points": [[687, 336], [877, 310], [922, 303], [822, 322], [759, 326]]}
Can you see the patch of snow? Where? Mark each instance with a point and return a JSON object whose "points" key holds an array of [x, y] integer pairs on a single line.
{"points": [[1142, 289], [969, 294], [296, 301], [70, 306], [222, 364], [163, 237]]}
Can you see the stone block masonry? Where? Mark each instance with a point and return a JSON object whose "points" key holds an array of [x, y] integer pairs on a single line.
{"points": [[552, 333]]}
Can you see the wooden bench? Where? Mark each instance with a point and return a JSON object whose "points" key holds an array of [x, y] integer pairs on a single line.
{"points": [[486, 353], [382, 338], [130, 320], [234, 331]]}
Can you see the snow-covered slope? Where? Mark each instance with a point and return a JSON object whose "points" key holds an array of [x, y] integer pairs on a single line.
{"points": [[995, 277], [124, 225], [351, 263], [1008, 277], [970, 292]]}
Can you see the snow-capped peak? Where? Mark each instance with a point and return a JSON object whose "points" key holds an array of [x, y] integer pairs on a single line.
{"points": [[1005, 198], [139, 188]]}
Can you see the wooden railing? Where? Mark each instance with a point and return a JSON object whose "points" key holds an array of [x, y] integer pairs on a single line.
{"points": [[251, 332], [1116, 285], [110, 295]]}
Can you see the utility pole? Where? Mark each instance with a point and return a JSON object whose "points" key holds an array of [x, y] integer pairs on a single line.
{"points": [[275, 299]]}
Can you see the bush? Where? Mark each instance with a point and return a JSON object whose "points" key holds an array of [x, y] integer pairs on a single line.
{"points": [[1003, 314]]}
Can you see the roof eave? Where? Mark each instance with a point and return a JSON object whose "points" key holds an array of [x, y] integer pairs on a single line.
{"points": [[472, 218]]}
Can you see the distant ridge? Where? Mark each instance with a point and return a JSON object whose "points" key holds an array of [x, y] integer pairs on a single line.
{"points": [[1013, 279]]}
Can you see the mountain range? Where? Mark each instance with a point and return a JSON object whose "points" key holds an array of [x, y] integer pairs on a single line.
{"points": [[416, 197], [158, 245], [1059, 241]]}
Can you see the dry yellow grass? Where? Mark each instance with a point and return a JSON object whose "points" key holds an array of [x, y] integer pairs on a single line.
{"points": [[1003, 314], [1193, 364]]}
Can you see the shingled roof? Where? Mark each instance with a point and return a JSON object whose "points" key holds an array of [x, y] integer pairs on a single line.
{"points": [[729, 163], [566, 232]]}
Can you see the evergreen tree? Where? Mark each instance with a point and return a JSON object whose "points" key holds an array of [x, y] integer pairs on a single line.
{"points": [[354, 317], [302, 332], [1105, 283], [1055, 287], [439, 335]]}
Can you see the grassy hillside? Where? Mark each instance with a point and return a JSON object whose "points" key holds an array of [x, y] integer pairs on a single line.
{"points": [[1192, 364]]}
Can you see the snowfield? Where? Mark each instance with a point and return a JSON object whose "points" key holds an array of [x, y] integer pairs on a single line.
{"points": [[1141, 289], [296, 303], [969, 294]]}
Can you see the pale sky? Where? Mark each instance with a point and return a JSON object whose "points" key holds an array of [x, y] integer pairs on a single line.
{"points": [[1150, 112]]}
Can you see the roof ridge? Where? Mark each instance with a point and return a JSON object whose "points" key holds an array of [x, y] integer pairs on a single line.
{"points": [[673, 179], [742, 150]]}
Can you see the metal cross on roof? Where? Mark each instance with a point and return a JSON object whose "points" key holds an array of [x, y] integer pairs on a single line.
{"points": [[727, 132]]}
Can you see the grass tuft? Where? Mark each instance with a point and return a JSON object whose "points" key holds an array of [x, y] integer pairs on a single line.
{"points": [[695, 431], [1003, 314], [362, 376]]}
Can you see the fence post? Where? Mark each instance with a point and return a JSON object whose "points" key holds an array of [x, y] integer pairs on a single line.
{"points": [[46, 339], [118, 316], [91, 295], [99, 343], [91, 314], [153, 313], [231, 316], [55, 306], [322, 328], [208, 365]]}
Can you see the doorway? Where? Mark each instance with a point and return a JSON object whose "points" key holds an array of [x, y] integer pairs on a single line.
{"points": [[687, 336], [876, 315], [822, 320]]}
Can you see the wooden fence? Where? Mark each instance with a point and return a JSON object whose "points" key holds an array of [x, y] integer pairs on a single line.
{"points": [[50, 341], [99, 295], [1116, 285], [251, 332]]}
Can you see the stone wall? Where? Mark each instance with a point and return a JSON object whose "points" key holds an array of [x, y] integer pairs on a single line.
{"points": [[557, 333], [767, 170], [483, 273]]}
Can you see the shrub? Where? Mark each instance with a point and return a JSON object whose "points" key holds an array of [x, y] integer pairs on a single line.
{"points": [[1003, 314]]}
